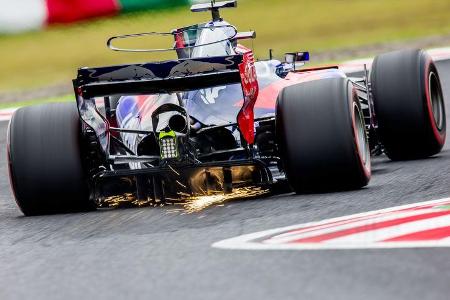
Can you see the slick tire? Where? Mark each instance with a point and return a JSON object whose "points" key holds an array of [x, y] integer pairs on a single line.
{"points": [[44, 153], [322, 136], [409, 104]]}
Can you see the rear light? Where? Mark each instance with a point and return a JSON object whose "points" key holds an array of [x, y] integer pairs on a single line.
{"points": [[168, 145]]}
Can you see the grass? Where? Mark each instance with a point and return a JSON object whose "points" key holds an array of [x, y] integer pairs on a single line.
{"points": [[66, 98], [53, 56]]}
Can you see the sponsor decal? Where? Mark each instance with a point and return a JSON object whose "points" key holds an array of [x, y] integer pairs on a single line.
{"points": [[210, 95], [126, 73], [191, 67], [425, 224]]}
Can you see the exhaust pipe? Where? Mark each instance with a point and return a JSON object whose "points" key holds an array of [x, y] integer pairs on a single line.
{"points": [[178, 123]]}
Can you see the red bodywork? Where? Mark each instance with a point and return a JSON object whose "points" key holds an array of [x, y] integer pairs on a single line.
{"points": [[250, 89]]}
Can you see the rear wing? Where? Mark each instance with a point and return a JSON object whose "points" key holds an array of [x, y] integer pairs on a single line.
{"points": [[158, 78]]}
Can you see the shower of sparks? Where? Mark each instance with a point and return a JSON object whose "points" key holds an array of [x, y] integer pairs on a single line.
{"points": [[189, 204], [126, 200], [193, 204]]}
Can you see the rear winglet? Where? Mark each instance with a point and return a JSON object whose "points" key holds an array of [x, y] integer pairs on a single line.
{"points": [[214, 7]]}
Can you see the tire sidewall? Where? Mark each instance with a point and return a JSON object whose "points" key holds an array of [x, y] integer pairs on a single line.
{"points": [[355, 108], [428, 66]]}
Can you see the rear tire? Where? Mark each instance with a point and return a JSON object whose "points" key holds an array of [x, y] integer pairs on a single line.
{"points": [[322, 136], [409, 104], [45, 165]]}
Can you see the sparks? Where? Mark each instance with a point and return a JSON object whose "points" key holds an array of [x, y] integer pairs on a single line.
{"points": [[193, 204], [189, 204]]}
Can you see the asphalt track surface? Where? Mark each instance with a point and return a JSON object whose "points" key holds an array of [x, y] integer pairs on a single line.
{"points": [[149, 254]]}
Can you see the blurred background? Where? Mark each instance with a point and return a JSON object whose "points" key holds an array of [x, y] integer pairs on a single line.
{"points": [[43, 42]]}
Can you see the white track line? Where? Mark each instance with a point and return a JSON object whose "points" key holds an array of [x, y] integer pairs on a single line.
{"points": [[357, 65], [6, 114]]}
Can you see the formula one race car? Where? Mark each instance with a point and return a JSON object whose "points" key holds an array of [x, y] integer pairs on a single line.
{"points": [[217, 120]]}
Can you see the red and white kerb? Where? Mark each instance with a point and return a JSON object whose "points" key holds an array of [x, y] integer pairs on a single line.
{"points": [[425, 224]]}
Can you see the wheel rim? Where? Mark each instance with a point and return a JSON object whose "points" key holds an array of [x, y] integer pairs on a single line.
{"points": [[361, 136], [436, 100]]}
